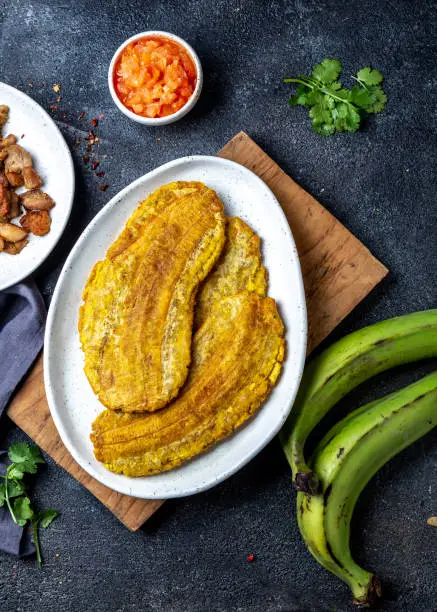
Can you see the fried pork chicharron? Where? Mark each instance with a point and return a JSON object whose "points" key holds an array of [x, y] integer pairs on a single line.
{"points": [[239, 268], [237, 357], [136, 319], [16, 170]]}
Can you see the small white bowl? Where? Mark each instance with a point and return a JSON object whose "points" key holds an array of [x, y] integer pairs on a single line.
{"points": [[169, 118]]}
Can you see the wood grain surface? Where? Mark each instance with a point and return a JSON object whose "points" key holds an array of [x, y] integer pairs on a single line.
{"points": [[338, 271]]}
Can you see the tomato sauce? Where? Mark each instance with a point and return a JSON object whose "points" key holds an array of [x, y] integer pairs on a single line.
{"points": [[154, 76]]}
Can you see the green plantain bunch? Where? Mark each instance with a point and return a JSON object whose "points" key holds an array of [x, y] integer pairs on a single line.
{"points": [[359, 445]]}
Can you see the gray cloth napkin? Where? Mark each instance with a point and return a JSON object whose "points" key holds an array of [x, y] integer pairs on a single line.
{"points": [[22, 320]]}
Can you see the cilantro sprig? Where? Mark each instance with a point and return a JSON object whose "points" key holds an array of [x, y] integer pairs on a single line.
{"points": [[332, 106], [24, 459]]}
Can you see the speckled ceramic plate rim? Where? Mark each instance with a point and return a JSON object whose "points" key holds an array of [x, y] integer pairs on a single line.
{"points": [[131, 486], [46, 244]]}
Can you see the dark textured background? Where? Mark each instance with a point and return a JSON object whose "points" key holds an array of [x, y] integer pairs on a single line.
{"points": [[380, 182]]}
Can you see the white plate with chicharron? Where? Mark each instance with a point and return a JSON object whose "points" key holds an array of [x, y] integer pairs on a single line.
{"points": [[39, 135]]}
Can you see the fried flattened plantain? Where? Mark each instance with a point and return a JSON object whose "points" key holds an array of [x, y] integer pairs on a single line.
{"points": [[237, 357], [238, 268], [136, 320]]}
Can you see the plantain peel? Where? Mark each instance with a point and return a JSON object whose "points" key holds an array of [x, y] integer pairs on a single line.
{"points": [[239, 268], [136, 320], [237, 357]]}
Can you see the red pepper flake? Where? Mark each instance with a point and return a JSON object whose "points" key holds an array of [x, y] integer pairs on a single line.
{"points": [[101, 116], [53, 106], [86, 159], [251, 558], [81, 115], [94, 122], [103, 187], [101, 173], [94, 164]]}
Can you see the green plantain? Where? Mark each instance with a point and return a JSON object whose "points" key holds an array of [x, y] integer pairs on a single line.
{"points": [[364, 585], [345, 365], [345, 460]]}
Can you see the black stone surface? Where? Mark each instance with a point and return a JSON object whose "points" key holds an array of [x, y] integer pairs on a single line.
{"points": [[380, 182]]}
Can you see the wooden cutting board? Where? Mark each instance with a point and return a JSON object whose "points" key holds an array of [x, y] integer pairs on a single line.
{"points": [[338, 271]]}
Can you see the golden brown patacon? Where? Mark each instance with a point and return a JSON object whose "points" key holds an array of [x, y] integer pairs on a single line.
{"points": [[237, 357], [238, 268], [136, 320]]}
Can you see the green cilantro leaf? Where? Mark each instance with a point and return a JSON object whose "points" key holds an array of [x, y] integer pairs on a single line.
{"points": [[380, 101], [27, 467], [27, 457], [315, 97], [351, 122], [338, 94], [24, 458], [335, 86], [15, 488], [369, 76], [322, 120], [46, 517], [300, 98], [18, 452], [339, 114], [364, 98], [320, 115], [327, 71], [324, 129], [35, 455], [332, 106], [22, 510], [15, 472]]}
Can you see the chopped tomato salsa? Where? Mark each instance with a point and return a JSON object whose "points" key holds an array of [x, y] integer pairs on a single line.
{"points": [[154, 77]]}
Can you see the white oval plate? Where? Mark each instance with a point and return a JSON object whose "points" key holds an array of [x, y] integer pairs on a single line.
{"points": [[72, 402], [52, 159]]}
